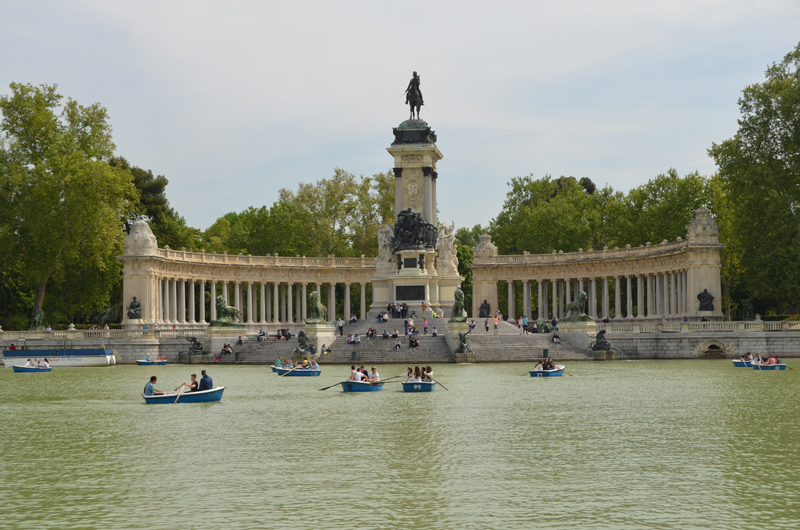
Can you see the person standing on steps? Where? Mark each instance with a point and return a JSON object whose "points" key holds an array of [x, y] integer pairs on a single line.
{"points": [[340, 325]]}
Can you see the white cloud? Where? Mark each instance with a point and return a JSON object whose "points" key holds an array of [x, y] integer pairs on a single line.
{"points": [[234, 100]]}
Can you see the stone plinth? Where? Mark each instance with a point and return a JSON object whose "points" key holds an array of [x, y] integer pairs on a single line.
{"points": [[320, 333]]}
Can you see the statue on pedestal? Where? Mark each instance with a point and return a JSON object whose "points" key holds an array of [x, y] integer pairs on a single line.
{"points": [[458, 313], [463, 343], [411, 231], [447, 254], [576, 311], [135, 310], [37, 322], [317, 313], [485, 310], [600, 342], [226, 315], [706, 301]]}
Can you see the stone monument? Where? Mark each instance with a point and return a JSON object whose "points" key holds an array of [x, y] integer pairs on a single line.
{"points": [[417, 261], [317, 330]]}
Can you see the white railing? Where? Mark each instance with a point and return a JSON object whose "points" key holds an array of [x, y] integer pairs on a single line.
{"points": [[276, 261], [618, 253]]}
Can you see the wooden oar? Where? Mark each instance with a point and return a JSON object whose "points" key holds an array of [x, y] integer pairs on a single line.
{"points": [[327, 387], [563, 370], [438, 383], [290, 371], [179, 394]]}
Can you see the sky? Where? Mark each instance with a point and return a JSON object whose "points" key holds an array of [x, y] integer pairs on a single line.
{"points": [[233, 100]]}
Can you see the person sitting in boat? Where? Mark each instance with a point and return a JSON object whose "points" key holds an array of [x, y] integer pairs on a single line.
{"points": [[409, 374], [357, 376], [538, 367], [278, 363], [27, 364], [47, 362], [305, 363], [771, 360], [205, 382], [147, 358], [150, 387], [428, 374], [352, 373], [374, 377], [417, 375], [315, 365], [193, 386]]}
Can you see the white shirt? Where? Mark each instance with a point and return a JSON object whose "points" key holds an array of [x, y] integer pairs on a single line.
{"points": [[28, 363], [375, 375], [358, 376]]}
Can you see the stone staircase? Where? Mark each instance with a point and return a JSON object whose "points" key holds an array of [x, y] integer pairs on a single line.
{"points": [[508, 345], [381, 351], [264, 352]]}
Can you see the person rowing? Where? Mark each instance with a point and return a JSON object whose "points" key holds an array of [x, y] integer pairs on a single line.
{"points": [[427, 374], [409, 374], [374, 377], [193, 385]]}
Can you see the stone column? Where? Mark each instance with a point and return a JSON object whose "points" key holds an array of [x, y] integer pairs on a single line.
{"points": [[347, 290], [526, 299], [511, 295], [332, 302], [665, 294], [192, 308], [560, 299], [629, 293], [398, 191], [181, 302], [283, 303], [268, 312], [428, 196], [237, 299], [289, 308], [673, 294], [319, 290], [304, 301], [593, 297], [212, 304], [580, 285], [250, 306], [541, 306], [618, 298], [650, 310], [262, 304], [173, 301], [606, 309], [679, 277], [555, 299], [161, 312], [363, 307], [639, 296], [225, 293], [298, 304], [276, 312], [568, 294], [201, 301]]}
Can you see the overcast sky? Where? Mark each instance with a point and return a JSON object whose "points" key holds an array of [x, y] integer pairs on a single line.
{"points": [[232, 101]]}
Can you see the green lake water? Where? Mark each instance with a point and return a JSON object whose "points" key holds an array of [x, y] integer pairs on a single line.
{"points": [[641, 444]]}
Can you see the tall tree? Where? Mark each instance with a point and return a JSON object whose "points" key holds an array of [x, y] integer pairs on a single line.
{"points": [[65, 201], [761, 167]]}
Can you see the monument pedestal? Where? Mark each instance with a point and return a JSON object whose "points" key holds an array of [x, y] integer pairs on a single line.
{"points": [[319, 333], [217, 336]]}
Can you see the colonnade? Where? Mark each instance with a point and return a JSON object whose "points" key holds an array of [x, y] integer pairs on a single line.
{"points": [[183, 301], [657, 295]]}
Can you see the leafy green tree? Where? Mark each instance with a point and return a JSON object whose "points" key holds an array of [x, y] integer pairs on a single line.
{"points": [[63, 202], [761, 167]]}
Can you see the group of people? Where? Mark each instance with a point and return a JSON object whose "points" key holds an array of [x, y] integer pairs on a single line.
{"points": [[419, 375], [354, 339], [761, 360], [39, 363], [546, 364], [398, 310], [362, 375], [194, 385], [292, 365]]}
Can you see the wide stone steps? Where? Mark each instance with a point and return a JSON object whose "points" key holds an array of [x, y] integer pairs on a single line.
{"points": [[264, 352], [530, 347]]}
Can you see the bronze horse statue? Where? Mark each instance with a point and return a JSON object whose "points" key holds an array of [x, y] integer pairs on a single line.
{"points": [[414, 96]]}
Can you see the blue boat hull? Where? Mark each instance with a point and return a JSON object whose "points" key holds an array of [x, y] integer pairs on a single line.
{"points": [[203, 396], [547, 373], [769, 368], [151, 363], [426, 386], [357, 386], [742, 364], [297, 372], [30, 369]]}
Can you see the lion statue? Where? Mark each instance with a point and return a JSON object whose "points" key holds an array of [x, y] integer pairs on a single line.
{"points": [[305, 348], [458, 314], [575, 311], [317, 313], [226, 313]]}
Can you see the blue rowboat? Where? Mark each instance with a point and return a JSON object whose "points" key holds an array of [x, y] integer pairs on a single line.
{"points": [[769, 367], [738, 363], [297, 371], [420, 386], [555, 372], [151, 363], [360, 386], [30, 369], [201, 396]]}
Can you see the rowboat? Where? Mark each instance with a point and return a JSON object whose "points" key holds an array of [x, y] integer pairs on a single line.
{"points": [[553, 372], [61, 358], [201, 396], [361, 386], [30, 369], [769, 367], [150, 363], [288, 372], [738, 363], [419, 386]]}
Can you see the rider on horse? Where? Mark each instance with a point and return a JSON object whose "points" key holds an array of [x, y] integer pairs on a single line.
{"points": [[413, 88]]}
